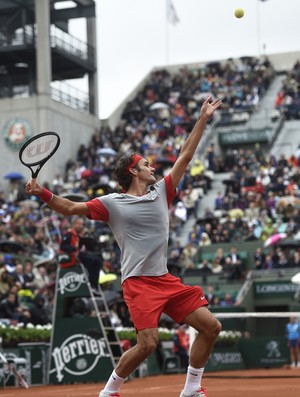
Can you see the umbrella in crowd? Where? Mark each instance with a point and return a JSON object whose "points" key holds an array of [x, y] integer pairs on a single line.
{"points": [[106, 152], [33, 204], [165, 161], [288, 201], [78, 197], [296, 279], [111, 297], [11, 247], [14, 176], [106, 277], [102, 188], [274, 239], [86, 174], [289, 243], [236, 213], [158, 106]]}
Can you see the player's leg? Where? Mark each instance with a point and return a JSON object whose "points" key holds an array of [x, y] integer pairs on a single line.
{"points": [[147, 341], [208, 328]]}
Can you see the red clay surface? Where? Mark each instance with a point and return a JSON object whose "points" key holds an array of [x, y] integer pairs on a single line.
{"points": [[246, 383]]}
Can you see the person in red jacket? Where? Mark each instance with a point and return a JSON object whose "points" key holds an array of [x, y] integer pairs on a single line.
{"points": [[70, 244], [181, 341], [70, 253]]}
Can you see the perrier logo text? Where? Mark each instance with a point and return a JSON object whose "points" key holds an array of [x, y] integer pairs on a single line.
{"points": [[71, 282], [78, 355]]}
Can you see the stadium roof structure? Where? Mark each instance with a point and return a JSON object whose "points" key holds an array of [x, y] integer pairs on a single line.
{"points": [[81, 9]]}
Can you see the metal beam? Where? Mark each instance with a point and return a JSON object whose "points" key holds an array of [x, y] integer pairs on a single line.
{"points": [[73, 13]]}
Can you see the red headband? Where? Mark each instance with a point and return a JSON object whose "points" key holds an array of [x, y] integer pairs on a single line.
{"points": [[135, 159]]}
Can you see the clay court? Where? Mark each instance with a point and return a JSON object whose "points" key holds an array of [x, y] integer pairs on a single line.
{"points": [[247, 383]]}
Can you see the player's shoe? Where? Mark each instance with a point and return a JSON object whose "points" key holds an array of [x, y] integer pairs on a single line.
{"points": [[198, 393], [109, 394]]}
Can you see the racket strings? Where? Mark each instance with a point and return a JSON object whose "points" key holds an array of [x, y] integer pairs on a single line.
{"points": [[39, 149]]}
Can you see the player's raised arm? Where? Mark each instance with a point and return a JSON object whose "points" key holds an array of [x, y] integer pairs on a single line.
{"points": [[59, 204], [190, 145]]}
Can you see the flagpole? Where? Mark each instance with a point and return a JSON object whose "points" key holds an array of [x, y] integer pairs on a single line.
{"points": [[167, 34], [258, 28]]}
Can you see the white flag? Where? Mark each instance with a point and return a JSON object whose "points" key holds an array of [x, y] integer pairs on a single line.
{"points": [[171, 13]]}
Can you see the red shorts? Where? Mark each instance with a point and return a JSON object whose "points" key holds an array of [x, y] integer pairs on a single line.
{"points": [[148, 297]]}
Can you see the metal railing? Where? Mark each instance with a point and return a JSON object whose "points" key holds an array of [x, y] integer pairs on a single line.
{"points": [[66, 43], [70, 96]]}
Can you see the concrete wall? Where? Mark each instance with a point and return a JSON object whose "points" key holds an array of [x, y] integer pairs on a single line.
{"points": [[44, 114]]}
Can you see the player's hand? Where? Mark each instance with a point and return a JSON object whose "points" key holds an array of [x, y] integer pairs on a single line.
{"points": [[208, 107], [33, 188]]}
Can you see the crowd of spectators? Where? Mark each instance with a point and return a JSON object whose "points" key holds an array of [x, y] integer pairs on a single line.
{"points": [[288, 98], [259, 199]]}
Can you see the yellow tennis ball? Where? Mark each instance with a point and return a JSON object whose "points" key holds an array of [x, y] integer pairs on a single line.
{"points": [[239, 13]]}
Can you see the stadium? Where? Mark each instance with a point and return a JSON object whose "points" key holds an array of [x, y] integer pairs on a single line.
{"points": [[234, 224]]}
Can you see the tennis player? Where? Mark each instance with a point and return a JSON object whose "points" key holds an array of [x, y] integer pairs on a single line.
{"points": [[139, 220]]}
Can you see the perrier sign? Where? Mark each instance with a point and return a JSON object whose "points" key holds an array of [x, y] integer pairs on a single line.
{"points": [[79, 348]]}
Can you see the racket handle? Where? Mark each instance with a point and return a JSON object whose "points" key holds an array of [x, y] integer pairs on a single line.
{"points": [[33, 183]]}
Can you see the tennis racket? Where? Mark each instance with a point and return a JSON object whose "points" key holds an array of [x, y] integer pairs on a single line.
{"points": [[11, 367], [37, 151]]}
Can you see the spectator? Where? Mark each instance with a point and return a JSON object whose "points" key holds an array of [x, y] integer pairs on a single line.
{"points": [[219, 201], [293, 335], [29, 276], [188, 256], [41, 277], [194, 235], [19, 276], [124, 315], [190, 199], [10, 310], [181, 345], [38, 312], [6, 282], [70, 245], [175, 252], [210, 294], [114, 316], [268, 262], [236, 264], [228, 300], [204, 240], [294, 261], [259, 259]]}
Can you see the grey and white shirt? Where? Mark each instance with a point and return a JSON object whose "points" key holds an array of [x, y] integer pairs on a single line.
{"points": [[140, 225]]}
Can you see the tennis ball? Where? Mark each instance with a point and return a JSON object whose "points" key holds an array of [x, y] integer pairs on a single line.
{"points": [[239, 13]]}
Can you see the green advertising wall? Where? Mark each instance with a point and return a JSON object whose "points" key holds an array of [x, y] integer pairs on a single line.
{"points": [[264, 352], [250, 353], [79, 349]]}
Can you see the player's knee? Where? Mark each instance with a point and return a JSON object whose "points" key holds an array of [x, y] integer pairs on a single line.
{"points": [[216, 328], [212, 330], [148, 345]]}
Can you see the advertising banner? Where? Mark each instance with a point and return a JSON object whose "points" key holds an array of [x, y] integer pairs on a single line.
{"points": [[264, 352], [79, 347]]}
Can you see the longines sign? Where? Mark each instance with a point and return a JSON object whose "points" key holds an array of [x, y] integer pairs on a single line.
{"points": [[244, 137], [275, 289]]}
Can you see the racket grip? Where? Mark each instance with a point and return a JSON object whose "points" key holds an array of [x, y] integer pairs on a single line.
{"points": [[33, 183]]}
